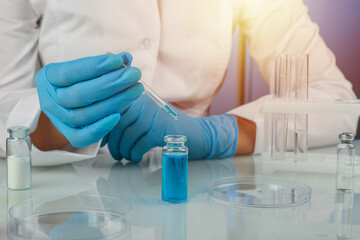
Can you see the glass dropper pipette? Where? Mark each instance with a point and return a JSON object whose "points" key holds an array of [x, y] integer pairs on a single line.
{"points": [[156, 99], [161, 103]]}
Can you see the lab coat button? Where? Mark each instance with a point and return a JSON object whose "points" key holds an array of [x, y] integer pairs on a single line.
{"points": [[145, 43]]}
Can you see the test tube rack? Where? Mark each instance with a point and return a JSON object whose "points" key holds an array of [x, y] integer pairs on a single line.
{"points": [[273, 106]]}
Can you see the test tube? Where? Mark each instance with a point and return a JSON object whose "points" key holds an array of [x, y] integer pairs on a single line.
{"points": [[280, 90], [301, 71], [290, 83]]}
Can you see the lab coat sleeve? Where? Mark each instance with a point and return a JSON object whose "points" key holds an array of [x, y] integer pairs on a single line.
{"points": [[19, 62], [283, 26]]}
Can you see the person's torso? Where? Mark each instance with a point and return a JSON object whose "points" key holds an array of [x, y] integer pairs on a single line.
{"points": [[181, 47]]}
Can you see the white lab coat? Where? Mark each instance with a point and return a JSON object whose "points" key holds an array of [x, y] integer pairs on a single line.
{"points": [[181, 47]]}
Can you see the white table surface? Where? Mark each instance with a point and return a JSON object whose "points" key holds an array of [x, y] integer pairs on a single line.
{"points": [[199, 217]]}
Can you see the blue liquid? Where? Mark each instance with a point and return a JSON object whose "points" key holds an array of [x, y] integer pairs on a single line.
{"points": [[174, 178], [169, 111]]}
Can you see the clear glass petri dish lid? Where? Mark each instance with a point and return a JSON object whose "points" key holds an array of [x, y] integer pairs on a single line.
{"points": [[259, 192], [76, 217]]}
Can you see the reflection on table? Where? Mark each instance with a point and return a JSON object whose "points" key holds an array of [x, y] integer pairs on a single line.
{"points": [[328, 215]]}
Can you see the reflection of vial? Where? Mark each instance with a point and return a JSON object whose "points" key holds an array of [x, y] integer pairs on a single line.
{"points": [[343, 215], [174, 169], [345, 163], [18, 152], [174, 221]]}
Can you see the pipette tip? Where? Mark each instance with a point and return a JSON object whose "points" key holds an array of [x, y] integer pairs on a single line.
{"points": [[170, 112]]}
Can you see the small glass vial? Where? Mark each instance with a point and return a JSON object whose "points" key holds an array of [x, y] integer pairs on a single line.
{"points": [[174, 169], [345, 163], [18, 157]]}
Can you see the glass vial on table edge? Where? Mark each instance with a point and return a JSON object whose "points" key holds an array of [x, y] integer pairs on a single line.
{"points": [[345, 163], [18, 158], [174, 169]]}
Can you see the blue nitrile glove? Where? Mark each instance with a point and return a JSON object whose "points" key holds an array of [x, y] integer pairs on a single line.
{"points": [[83, 98], [144, 125]]}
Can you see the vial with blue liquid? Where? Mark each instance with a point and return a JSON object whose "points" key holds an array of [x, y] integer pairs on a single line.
{"points": [[174, 169]]}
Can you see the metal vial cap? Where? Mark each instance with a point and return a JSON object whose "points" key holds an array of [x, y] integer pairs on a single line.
{"points": [[346, 136]]}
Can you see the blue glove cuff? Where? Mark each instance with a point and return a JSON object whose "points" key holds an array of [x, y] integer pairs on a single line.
{"points": [[223, 131]]}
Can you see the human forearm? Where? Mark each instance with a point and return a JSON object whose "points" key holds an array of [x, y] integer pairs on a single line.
{"points": [[246, 136], [46, 137]]}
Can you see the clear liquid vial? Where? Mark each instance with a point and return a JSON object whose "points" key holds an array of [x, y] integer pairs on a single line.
{"points": [[18, 158], [174, 169], [345, 163]]}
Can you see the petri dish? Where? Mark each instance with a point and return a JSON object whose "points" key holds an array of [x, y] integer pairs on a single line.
{"points": [[259, 192], [77, 217]]}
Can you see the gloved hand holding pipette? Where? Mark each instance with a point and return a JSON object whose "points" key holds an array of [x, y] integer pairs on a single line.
{"points": [[156, 99], [84, 98], [144, 125]]}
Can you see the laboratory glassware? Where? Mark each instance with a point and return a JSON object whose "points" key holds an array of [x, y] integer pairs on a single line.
{"points": [[280, 90], [289, 83], [80, 217], [174, 169], [300, 64], [345, 163], [18, 156], [259, 192], [156, 99], [161, 103]]}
